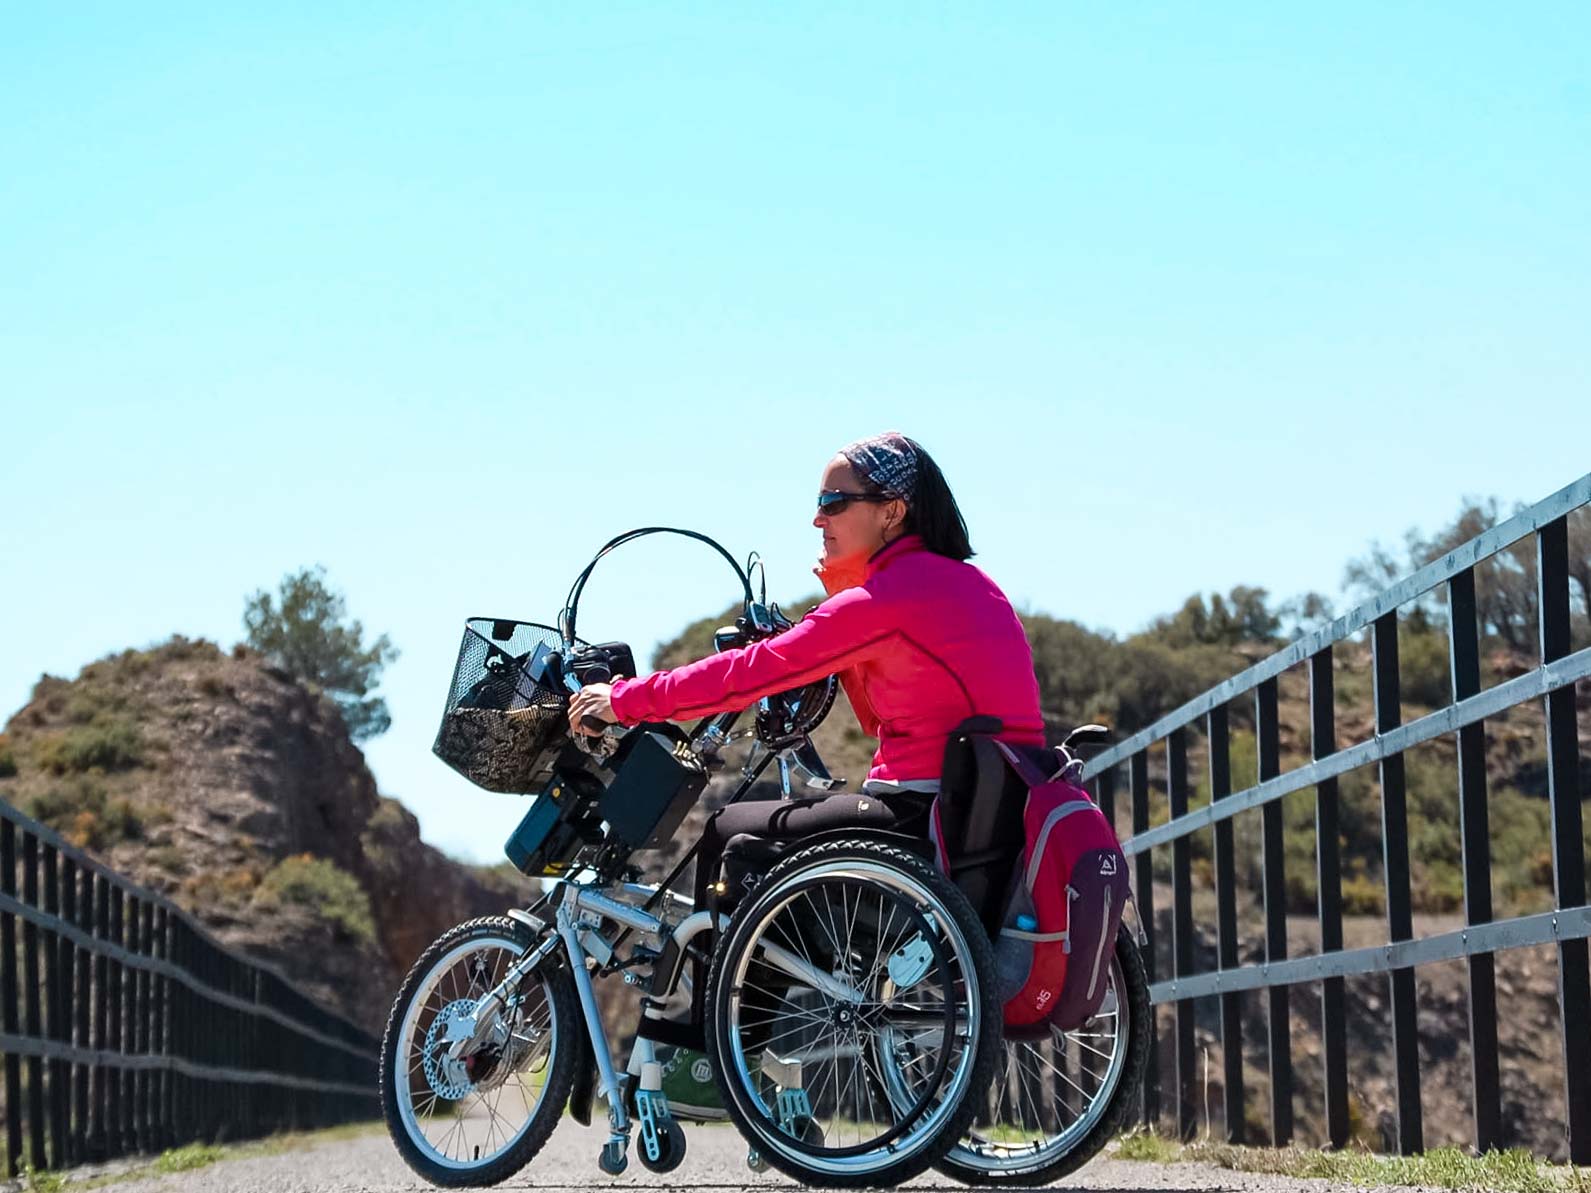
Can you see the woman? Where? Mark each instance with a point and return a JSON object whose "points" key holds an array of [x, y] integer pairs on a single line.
{"points": [[920, 638]]}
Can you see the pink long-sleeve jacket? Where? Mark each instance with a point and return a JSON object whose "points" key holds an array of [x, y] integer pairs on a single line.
{"points": [[920, 645]]}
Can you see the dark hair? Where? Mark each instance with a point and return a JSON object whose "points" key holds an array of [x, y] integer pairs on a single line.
{"points": [[931, 509]]}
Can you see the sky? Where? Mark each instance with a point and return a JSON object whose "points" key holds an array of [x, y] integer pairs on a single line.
{"points": [[442, 297]]}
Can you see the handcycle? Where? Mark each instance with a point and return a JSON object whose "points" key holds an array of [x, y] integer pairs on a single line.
{"points": [[848, 1013]]}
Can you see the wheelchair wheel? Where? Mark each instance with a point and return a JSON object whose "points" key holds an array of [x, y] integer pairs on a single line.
{"points": [[846, 947], [1055, 1103], [477, 1118]]}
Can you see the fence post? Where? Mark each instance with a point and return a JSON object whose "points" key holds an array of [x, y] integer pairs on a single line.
{"points": [[99, 1135], [137, 1027], [116, 1117], [159, 1044], [32, 1002], [68, 1006], [1328, 855], [1568, 857], [1226, 926], [1267, 734], [1395, 866], [8, 997], [55, 954], [1182, 933], [1144, 893], [80, 885], [1475, 842], [1105, 794]]}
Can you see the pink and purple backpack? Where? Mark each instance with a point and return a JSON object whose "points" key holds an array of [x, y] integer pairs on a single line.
{"points": [[1055, 928]]}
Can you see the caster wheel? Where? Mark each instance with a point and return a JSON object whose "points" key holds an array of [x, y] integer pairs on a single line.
{"points": [[755, 1162], [612, 1159], [671, 1149]]}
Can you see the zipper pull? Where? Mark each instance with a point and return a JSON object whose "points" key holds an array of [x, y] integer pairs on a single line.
{"points": [[1066, 940]]}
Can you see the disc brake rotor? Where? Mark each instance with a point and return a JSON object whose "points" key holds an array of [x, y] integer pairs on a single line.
{"points": [[447, 1076]]}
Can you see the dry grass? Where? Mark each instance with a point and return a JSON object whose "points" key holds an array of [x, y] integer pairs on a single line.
{"points": [[1515, 1171]]}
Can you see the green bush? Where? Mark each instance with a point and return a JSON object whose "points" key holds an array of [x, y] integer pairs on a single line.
{"points": [[8, 759], [114, 745], [83, 811], [316, 883], [188, 1157], [1363, 895], [1422, 667]]}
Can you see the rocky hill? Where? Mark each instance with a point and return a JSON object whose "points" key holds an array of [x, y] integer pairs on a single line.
{"points": [[230, 788]]}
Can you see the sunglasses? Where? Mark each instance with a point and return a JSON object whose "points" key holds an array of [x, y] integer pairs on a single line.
{"points": [[837, 501]]}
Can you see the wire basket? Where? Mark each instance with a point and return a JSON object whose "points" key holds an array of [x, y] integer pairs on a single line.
{"points": [[502, 728]]}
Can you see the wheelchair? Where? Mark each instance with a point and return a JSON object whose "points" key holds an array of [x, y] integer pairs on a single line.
{"points": [[848, 1006]]}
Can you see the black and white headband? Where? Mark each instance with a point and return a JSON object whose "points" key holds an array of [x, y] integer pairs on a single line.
{"points": [[889, 462]]}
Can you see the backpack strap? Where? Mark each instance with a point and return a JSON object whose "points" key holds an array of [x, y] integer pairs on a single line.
{"points": [[1027, 770]]}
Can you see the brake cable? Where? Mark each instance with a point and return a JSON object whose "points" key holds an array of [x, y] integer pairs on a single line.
{"points": [[566, 618]]}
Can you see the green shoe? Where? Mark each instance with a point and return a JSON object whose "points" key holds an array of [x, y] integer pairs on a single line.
{"points": [[688, 1083]]}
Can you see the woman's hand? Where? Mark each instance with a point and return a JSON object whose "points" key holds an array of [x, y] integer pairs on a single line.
{"points": [[593, 700]]}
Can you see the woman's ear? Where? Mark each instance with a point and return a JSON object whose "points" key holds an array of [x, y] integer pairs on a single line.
{"points": [[895, 522]]}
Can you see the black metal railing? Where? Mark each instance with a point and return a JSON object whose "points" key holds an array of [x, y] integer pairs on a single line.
{"points": [[1566, 927], [125, 1028]]}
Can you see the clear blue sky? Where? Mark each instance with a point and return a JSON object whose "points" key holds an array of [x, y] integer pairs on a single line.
{"points": [[443, 296]]}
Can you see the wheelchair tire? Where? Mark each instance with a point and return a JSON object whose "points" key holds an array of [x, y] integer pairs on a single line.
{"points": [[925, 940], [418, 1085], [1039, 1148]]}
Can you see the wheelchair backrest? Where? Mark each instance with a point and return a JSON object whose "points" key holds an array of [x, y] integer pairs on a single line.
{"points": [[981, 800]]}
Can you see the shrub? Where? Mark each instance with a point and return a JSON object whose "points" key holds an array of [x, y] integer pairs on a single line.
{"points": [[222, 888], [170, 858], [181, 649], [8, 759], [317, 884], [1422, 668], [188, 1157], [82, 811], [1363, 895], [114, 745]]}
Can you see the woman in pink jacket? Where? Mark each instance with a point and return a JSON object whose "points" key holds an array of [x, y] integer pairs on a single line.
{"points": [[920, 638]]}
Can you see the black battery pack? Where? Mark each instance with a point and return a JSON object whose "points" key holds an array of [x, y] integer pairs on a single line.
{"points": [[656, 782], [560, 820]]}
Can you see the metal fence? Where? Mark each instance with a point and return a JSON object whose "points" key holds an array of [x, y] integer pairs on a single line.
{"points": [[1482, 937], [125, 1028]]}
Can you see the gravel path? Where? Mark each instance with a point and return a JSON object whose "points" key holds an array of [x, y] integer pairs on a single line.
{"points": [[715, 1163]]}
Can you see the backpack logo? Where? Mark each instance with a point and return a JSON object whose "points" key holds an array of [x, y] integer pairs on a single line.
{"points": [[1107, 864]]}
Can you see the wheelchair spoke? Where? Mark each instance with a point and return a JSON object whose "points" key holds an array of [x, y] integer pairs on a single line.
{"points": [[830, 930], [795, 941]]}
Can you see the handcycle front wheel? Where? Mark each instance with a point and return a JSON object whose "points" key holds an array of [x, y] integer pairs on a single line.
{"points": [[844, 944], [1055, 1102], [476, 1114]]}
